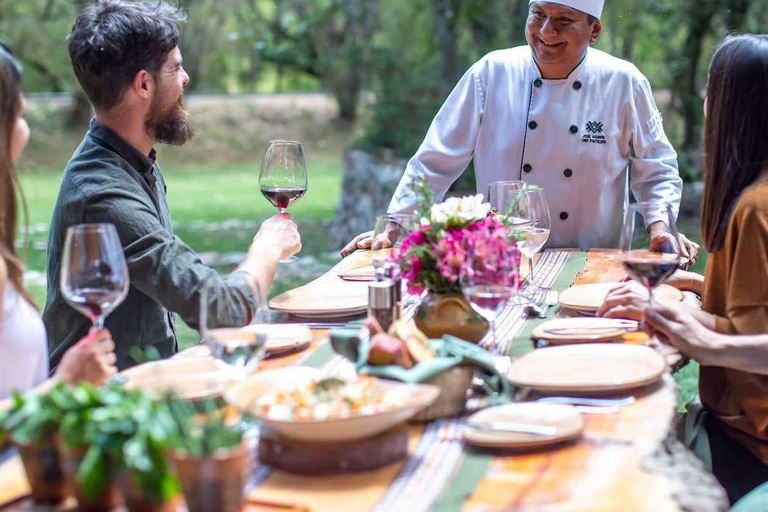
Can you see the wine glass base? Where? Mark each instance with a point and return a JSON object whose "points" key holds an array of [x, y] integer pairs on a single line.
{"points": [[289, 259]]}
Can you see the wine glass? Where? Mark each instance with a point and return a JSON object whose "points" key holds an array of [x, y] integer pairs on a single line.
{"points": [[531, 230], [388, 234], [238, 349], [283, 175], [649, 267], [503, 193], [94, 275], [489, 278]]}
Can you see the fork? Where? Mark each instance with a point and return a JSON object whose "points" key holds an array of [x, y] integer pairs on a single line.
{"points": [[550, 299]]}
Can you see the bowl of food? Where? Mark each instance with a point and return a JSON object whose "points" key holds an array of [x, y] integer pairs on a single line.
{"points": [[300, 404]]}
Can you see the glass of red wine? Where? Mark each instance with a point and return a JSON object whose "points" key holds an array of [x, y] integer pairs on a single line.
{"points": [[283, 176], [94, 275], [649, 267], [489, 278]]}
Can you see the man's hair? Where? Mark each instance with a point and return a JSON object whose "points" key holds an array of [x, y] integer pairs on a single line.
{"points": [[112, 40], [591, 19]]}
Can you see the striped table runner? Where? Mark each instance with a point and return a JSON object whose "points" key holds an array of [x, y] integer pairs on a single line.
{"points": [[439, 474]]}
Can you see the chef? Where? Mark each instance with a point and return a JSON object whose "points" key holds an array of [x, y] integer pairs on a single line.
{"points": [[557, 114]]}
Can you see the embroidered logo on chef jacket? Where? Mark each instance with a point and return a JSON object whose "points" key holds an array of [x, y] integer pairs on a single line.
{"points": [[593, 133]]}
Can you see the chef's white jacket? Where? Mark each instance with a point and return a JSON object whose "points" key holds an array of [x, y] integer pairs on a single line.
{"points": [[573, 137]]}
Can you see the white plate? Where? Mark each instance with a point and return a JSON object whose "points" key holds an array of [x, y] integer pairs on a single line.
{"points": [[327, 314], [243, 395], [565, 418]]}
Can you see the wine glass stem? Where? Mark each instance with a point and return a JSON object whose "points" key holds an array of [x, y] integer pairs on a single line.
{"points": [[282, 210], [492, 325], [98, 323], [530, 273]]}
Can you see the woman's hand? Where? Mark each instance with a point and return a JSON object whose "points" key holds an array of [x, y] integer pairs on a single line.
{"points": [[92, 358], [686, 281], [674, 326], [626, 300]]}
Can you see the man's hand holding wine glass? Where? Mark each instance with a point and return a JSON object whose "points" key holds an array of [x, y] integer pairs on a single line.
{"points": [[280, 232]]}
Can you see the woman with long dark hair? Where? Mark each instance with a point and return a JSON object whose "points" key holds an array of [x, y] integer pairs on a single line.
{"points": [[23, 344], [733, 384]]}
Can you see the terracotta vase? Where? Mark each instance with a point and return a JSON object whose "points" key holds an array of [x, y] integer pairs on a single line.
{"points": [[216, 482], [136, 500], [44, 471], [105, 501], [450, 313]]}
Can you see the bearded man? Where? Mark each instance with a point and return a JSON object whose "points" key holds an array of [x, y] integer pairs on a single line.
{"points": [[126, 57]]}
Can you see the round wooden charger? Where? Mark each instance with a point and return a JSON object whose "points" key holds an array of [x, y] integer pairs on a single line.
{"points": [[322, 459]]}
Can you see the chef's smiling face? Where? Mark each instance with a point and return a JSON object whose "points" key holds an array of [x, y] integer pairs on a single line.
{"points": [[559, 36]]}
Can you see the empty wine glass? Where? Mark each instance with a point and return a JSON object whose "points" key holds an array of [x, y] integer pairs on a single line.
{"points": [[283, 175], [388, 234], [238, 349], [532, 230], [503, 193], [649, 267], [489, 278], [94, 275]]}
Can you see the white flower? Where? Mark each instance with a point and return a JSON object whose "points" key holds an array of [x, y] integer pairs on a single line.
{"points": [[460, 210]]}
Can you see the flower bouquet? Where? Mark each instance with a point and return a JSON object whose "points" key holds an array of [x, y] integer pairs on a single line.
{"points": [[436, 255]]}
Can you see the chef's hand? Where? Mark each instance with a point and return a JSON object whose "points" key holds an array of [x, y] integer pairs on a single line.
{"points": [[626, 300], [659, 234], [361, 241]]}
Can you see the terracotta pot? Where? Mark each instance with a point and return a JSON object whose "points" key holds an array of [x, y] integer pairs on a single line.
{"points": [[216, 482], [136, 500], [450, 313], [107, 500], [44, 471]]}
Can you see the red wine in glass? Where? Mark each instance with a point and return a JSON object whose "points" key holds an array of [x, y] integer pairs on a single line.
{"points": [[651, 272], [283, 175], [282, 197], [94, 275], [94, 302]]}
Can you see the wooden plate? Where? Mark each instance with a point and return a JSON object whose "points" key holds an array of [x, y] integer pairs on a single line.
{"points": [[562, 331], [280, 338], [589, 297], [366, 273], [338, 298], [192, 378], [565, 418], [592, 368]]}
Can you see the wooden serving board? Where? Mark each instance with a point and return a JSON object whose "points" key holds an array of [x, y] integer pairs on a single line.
{"points": [[329, 294], [323, 459]]}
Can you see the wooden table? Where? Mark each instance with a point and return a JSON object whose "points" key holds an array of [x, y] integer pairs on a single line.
{"points": [[626, 461]]}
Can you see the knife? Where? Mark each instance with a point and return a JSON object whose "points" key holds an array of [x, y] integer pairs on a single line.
{"points": [[523, 428]]}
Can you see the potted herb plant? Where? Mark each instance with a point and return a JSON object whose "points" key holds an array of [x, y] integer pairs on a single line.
{"points": [[210, 457], [30, 422], [122, 435]]}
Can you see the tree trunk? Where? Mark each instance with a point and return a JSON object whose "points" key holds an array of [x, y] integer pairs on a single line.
{"points": [[701, 14], [446, 16]]}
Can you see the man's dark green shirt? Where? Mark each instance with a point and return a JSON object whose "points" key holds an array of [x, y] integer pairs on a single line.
{"points": [[108, 180]]}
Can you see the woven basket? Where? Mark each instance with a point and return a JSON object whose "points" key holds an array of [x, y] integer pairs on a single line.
{"points": [[453, 385]]}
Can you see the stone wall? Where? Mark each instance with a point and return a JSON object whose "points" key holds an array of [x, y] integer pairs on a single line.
{"points": [[368, 182]]}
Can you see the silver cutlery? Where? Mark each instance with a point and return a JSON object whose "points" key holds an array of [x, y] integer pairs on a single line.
{"points": [[590, 402], [550, 299], [523, 428]]}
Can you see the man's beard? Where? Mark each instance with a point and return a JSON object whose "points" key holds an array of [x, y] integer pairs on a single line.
{"points": [[171, 125]]}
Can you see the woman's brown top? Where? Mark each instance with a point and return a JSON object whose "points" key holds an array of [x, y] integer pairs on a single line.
{"points": [[736, 292]]}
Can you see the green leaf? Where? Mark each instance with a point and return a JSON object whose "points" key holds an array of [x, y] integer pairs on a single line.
{"points": [[93, 474]]}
